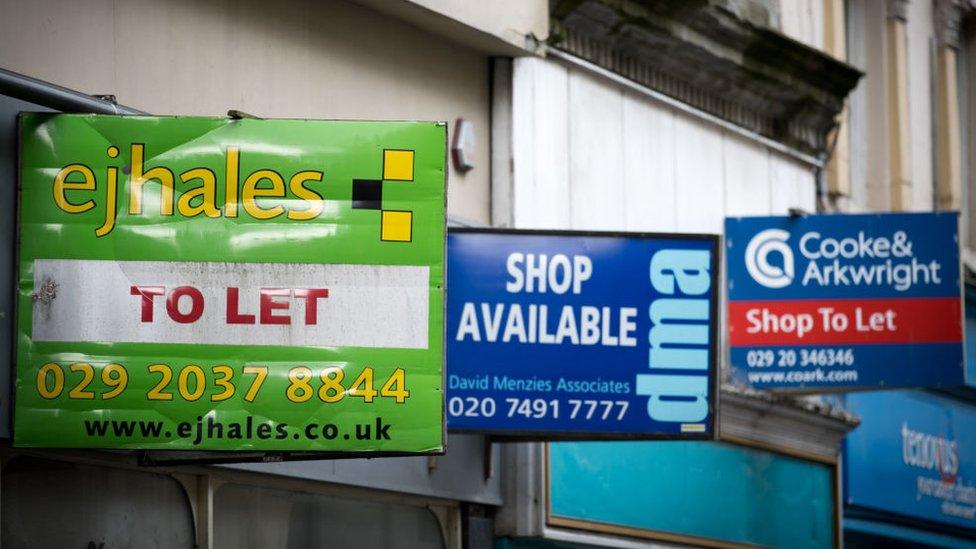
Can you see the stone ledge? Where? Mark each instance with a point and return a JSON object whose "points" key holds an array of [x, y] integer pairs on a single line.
{"points": [[783, 422], [706, 54]]}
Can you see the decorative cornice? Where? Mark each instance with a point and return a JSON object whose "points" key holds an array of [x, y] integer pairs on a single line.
{"points": [[897, 9], [948, 19], [708, 56], [783, 423]]}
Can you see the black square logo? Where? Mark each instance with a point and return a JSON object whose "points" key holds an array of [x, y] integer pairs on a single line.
{"points": [[367, 194]]}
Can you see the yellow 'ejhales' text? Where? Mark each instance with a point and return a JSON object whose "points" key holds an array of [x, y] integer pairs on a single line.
{"points": [[199, 190]]}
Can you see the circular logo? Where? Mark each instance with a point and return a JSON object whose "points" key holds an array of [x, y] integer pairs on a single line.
{"points": [[757, 258]]}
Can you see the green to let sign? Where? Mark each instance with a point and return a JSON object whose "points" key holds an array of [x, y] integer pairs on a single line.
{"points": [[192, 283]]}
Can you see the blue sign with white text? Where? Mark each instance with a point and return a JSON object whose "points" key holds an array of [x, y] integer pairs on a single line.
{"points": [[914, 454], [581, 335], [840, 301]]}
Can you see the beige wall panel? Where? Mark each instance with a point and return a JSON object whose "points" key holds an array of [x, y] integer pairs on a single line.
{"points": [[949, 142], [67, 42], [877, 129], [506, 28], [898, 116], [511, 20], [919, 32], [292, 58], [835, 43]]}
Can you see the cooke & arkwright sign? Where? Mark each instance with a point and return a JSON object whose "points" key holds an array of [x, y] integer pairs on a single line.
{"points": [[838, 301], [241, 285]]}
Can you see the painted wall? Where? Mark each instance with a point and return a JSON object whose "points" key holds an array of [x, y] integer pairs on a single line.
{"points": [[292, 58], [592, 155], [510, 20]]}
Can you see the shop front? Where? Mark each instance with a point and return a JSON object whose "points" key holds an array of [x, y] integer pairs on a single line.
{"points": [[785, 484]]}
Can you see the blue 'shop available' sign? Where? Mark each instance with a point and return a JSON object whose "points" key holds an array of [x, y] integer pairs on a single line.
{"points": [[581, 335], [840, 301], [914, 455]]}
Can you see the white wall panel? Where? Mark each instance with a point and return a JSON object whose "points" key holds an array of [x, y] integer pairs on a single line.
{"points": [[590, 154], [792, 186], [747, 179], [803, 20], [595, 154], [523, 143], [649, 184], [540, 141], [699, 176]]}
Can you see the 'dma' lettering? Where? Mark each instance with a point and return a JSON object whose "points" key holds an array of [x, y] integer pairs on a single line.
{"points": [[678, 340]]}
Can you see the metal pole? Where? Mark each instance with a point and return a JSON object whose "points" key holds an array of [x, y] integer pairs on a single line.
{"points": [[56, 97]]}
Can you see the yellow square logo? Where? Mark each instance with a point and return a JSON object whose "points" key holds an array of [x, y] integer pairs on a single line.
{"points": [[396, 226], [397, 165]]}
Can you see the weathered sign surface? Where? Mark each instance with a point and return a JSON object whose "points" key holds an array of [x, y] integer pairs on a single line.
{"points": [[214, 284]]}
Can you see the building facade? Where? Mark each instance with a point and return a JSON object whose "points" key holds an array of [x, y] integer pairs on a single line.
{"points": [[651, 117], [298, 59], [597, 115]]}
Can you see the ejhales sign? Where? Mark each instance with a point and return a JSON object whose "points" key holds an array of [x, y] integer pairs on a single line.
{"points": [[236, 285]]}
